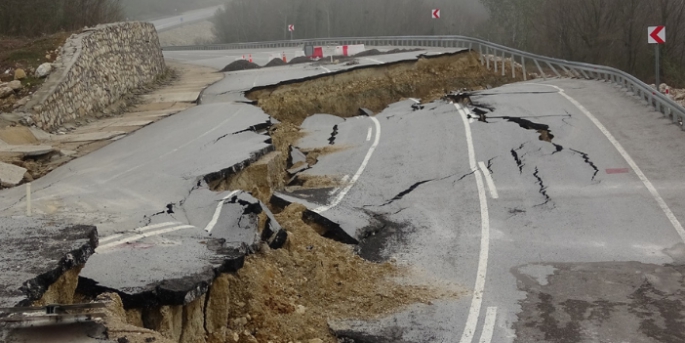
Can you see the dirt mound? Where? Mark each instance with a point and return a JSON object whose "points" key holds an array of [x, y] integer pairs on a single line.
{"points": [[375, 87], [275, 63], [240, 65], [301, 59], [288, 295]]}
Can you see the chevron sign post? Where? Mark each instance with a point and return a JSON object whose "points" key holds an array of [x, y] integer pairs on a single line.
{"points": [[656, 35], [435, 13]]}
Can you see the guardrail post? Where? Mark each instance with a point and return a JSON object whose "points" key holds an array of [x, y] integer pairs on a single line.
{"points": [[487, 56], [523, 66], [480, 50], [494, 58], [513, 67], [553, 69], [503, 61], [542, 73]]}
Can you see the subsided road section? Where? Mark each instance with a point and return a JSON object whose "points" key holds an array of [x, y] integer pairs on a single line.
{"points": [[578, 247]]}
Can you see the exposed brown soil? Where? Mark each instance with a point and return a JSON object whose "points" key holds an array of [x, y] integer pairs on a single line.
{"points": [[376, 87], [287, 295], [26, 54], [314, 154]]}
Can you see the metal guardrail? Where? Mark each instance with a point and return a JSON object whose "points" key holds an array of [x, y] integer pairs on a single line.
{"points": [[501, 54]]}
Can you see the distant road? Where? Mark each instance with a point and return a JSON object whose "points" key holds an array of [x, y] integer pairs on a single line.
{"points": [[185, 18]]}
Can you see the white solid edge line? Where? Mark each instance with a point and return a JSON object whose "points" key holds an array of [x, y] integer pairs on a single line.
{"points": [[359, 172], [326, 69], [489, 180], [143, 235], [342, 181], [648, 184], [415, 100], [488, 325], [217, 212], [479, 288], [368, 135]]}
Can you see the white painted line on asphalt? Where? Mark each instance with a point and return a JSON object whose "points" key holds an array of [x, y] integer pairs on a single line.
{"points": [[488, 325], [141, 236], [368, 135], [415, 100], [479, 288], [374, 60], [359, 172], [326, 69], [342, 182], [217, 212], [156, 226], [650, 187], [109, 238], [140, 229], [489, 180]]}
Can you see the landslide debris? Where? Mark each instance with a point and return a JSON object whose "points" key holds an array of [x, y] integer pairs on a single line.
{"points": [[374, 87], [240, 65], [276, 62], [289, 294]]}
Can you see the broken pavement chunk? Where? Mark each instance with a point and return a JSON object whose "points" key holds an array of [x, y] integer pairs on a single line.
{"points": [[272, 233], [365, 112], [11, 175], [36, 254]]}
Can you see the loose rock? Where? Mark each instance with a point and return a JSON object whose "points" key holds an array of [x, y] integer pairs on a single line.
{"points": [[44, 70], [15, 85], [11, 175], [19, 74], [5, 90]]}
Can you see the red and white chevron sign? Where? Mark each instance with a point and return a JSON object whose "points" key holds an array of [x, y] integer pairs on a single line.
{"points": [[657, 34], [291, 28], [436, 13]]}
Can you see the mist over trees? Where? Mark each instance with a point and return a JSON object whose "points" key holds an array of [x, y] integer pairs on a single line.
{"points": [[608, 32], [260, 20], [151, 9], [37, 17]]}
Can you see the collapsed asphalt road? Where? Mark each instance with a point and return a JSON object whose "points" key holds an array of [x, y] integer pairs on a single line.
{"points": [[553, 200], [522, 195]]}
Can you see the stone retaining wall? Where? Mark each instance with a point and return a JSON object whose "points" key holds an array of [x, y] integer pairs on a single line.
{"points": [[94, 70]]}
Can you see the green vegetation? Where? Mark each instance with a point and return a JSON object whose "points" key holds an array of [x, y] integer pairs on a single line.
{"points": [[41, 17]]}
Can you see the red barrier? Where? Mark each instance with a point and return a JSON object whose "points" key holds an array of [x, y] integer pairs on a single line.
{"points": [[318, 52]]}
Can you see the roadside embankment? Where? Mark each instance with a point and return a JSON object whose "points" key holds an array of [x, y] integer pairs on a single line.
{"points": [[95, 69]]}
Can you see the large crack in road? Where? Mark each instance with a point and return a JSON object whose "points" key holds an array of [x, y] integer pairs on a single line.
{"points": [[290, 293]]}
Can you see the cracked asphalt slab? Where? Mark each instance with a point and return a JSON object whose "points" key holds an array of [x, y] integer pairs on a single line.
{"points": [[147, 195], [578, 252], [29, 267]]}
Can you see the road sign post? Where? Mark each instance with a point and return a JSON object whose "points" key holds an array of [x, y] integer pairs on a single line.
{"points": [[657, 36], [291, 28]]}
